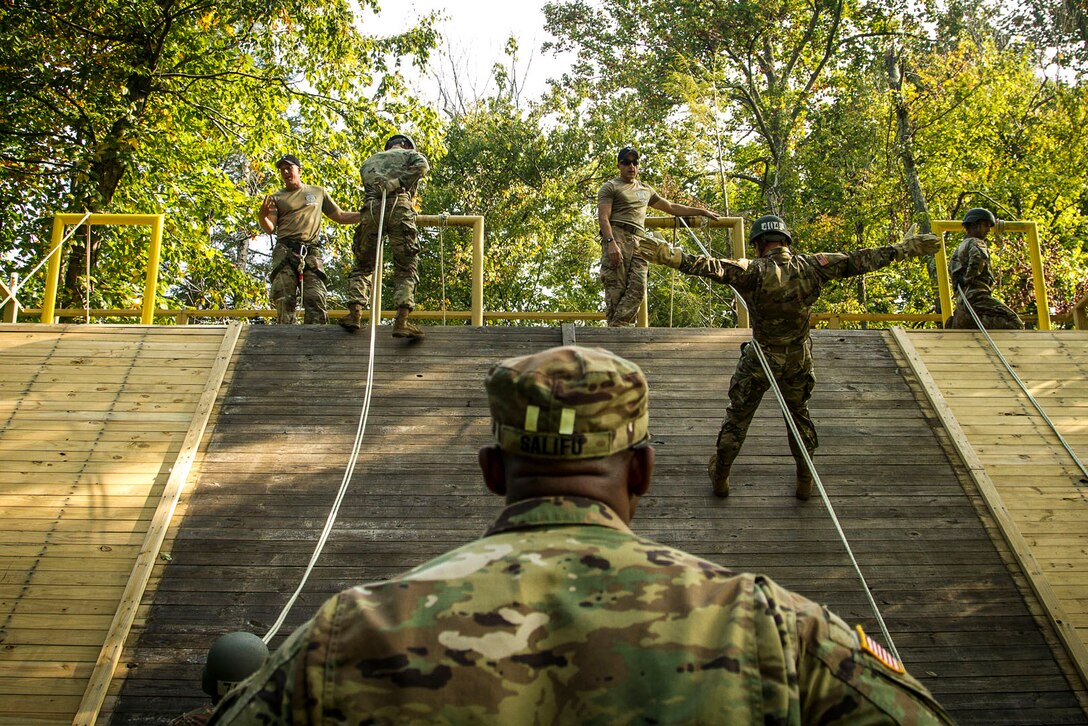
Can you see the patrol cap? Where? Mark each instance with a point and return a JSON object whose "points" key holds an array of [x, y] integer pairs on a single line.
{"points": [[626, 151], [568, 403], [288, 159]]}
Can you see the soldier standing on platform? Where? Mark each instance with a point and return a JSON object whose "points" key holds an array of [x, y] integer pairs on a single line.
{"points": [[621, 212], [561, 614], [293, 214], [779, 288], [969, 270], [397, 172]]}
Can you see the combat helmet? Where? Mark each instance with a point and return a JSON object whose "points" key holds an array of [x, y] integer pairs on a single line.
{"points": [[767, 224], [232, 658], [400, 138], [979, 214]]}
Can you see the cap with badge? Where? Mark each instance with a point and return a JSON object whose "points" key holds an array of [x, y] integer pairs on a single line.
{"points": [[288, 159], [568, 403]]}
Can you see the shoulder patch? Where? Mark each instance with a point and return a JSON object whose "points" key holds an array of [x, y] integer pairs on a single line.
{"points": [[822, 259], [879, 652]]}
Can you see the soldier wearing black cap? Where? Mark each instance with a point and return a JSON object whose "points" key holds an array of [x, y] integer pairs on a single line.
{"points": [[779, 288], [621, 212], [969, 270], [293, 214]]}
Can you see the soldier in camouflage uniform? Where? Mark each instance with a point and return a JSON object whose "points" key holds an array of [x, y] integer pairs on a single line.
{"points": [[621, 212], [561, 614], [779, 288], [293, 214], [231, 659], [397, 172], [969, 270]]}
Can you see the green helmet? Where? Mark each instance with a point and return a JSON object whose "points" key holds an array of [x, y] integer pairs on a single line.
{"points": [[232, 658], [768, 224], [979, 214], [399, 139]]}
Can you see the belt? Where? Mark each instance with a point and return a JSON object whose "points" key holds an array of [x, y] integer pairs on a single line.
{"points": [[628, 227], [293, 244]]}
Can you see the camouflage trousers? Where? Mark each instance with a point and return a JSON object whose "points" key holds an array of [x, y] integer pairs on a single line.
{"points": [[284, 289], [994, 314], [400, 225], [624, 284], [792, 368]]}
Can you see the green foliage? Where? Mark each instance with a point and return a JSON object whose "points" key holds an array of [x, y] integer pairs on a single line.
{"points": [[152, 106]]}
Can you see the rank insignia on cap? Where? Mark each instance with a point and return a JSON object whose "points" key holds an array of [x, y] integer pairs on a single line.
{"points": [[879, 652]]}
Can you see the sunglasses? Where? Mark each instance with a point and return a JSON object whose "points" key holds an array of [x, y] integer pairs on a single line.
{"points": [[629, 162]]}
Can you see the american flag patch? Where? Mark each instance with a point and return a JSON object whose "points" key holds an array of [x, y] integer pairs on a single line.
{"points": [[879, 652], [822, 259]]}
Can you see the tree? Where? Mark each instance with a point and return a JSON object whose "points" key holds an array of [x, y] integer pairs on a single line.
{"points": [[134, 105]]}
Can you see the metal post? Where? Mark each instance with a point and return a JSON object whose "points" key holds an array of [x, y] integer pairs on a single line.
{"points": [[147, 315]]}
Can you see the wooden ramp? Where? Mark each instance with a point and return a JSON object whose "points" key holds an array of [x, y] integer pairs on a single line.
{"points": [[961, 613], [1030, 480], [93, 420]]}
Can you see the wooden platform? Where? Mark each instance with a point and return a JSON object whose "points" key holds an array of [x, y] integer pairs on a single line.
{"points": [[960, 610], [92, 422]]}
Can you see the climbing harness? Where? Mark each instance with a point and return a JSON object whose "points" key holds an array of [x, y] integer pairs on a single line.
{"points": [[15, 291], [819, 484], [1024, 388], [360, 430]]}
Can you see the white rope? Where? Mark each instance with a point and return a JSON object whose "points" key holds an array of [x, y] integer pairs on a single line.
{"points": [[442, 219], [375, 315], [12, 295], [1035, 403], [819, 483], [87, 278]]}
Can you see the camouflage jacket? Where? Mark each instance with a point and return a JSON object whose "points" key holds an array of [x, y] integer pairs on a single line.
{"points": [[405, 165], [561, 615], [781, 287], [969, 268]]}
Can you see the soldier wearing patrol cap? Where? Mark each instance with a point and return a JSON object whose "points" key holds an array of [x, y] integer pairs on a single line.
{"points": [[394, 172], [561, 614], [293, 214], [779, 288], [969, 271]]}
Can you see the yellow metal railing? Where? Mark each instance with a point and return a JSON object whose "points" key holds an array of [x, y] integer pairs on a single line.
{"points": [[52, 280], [477, 315], [940, 226]]}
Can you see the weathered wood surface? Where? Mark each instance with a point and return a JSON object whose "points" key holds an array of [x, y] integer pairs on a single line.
{"points": [[91, 421], [953, 601]]}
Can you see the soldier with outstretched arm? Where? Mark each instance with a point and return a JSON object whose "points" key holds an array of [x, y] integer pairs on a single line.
{"points": [[559, 613], [779, 288]]}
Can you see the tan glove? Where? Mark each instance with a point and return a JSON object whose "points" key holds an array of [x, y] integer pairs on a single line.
{"points": [[658, 251], [916, 245]]}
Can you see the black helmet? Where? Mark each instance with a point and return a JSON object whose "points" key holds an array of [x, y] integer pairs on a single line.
{"points": [[232, 658], [768, 224], [979, 214], [399, 139]]}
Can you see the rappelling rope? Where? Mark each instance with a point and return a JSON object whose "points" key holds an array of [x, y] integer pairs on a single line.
{"points": [[55, 250], [375, 319], [443, 219], [1008, 367], [811, 466]]}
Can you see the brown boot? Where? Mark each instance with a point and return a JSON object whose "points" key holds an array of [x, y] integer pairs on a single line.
{"points": [[804, 483], [719, 477], [354, 319], [402, 328]]}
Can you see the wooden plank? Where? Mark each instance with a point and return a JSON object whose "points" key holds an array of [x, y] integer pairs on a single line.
{"points": [[110, 655], [1059, 618]]}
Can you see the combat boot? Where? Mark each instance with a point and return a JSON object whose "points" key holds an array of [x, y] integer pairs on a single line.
{"points": [[719, 477], [354, 319], [804, 482], [402, 328]]}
